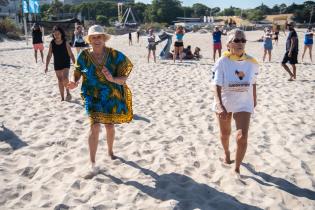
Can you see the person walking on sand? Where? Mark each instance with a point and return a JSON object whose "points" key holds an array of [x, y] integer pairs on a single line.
{"points": [[217, 45], [179, 44], [292, 49], [78, 39], [138, 35], [234, 79], [267, 44], [62, 53], [151, 45], [107, 98], [130, 38], [37, 37], [308, 43]]}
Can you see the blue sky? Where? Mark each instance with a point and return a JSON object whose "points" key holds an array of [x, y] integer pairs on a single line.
{"points": [[227, 3]]}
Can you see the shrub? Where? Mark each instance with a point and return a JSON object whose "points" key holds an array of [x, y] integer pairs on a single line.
{"points": [[7, 25], [13, 35]]}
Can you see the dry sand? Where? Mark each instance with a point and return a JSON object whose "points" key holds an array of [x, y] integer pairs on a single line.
{"points": [[169, 155]]}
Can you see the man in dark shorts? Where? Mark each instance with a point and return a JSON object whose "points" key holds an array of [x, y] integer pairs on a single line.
{"points": [[291, 54]]}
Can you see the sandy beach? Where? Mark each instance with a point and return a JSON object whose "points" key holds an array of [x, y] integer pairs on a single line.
{"points": [[169, 155]]}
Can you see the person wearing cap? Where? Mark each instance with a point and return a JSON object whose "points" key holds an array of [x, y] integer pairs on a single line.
{"points": [[37, 36], [107, 98], [234, 79], [151, 45], [267, 37], [308, 43], [217, 45], [292, 49]]}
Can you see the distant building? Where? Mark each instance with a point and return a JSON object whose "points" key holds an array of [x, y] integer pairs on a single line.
{"points": [[10, 10]]}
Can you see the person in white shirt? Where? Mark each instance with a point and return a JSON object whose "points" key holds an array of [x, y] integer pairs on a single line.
{"points": [[234, 79]]}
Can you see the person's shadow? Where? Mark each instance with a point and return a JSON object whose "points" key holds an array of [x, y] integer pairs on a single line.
{"points": [[188, 193], [280, 183], [11, 138]]}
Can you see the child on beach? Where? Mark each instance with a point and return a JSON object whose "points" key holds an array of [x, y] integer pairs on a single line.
{"points": [[37, 36], [62, 53]]}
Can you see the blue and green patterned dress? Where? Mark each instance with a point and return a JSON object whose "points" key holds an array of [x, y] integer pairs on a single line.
{"points": [[105, 102]]}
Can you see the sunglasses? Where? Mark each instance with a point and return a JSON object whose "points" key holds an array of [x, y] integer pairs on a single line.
{"points": [[239, 40]]}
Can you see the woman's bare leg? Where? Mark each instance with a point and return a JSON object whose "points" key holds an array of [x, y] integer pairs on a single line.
{"points": [[93, 141], [225, 132], [265, 52], [110, 136], [175, 53], [65, 82], [59, 75], [149, 54], [154, 56], [42, 55], [269, 55], [180, 51], [305, 48], [242, 120], [310, 51], [35, 54]]}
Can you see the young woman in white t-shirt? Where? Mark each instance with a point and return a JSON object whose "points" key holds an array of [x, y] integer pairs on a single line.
{"points": [[234, 77]]}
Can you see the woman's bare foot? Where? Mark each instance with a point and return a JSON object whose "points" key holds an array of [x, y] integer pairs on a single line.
{"points": [[237, 170], [68, 97], [112, 156], [227, 158]]}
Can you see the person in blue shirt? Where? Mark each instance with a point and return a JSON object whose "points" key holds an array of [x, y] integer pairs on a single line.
{"points": [[179, 44], [217, 45], [308, 42]]}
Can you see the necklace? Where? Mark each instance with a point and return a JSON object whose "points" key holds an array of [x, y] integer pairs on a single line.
{"points": [[98, 57]]}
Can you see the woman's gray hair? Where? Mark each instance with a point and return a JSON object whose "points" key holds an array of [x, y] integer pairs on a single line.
{"points": [[235, 32]]}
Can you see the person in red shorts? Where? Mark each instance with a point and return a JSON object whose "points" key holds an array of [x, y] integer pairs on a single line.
{"points": [[217, 46], [38, 41]]}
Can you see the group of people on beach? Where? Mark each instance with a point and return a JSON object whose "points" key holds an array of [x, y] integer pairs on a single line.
{"points": [[107, 98]]}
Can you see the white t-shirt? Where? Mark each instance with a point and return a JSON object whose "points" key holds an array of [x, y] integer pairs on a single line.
{"points": [[236, 76]]}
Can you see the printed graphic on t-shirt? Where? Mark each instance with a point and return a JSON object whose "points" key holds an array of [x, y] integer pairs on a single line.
{"points": [[238, 84]]}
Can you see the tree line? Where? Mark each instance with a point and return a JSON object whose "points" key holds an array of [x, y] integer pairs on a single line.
{"points": [[165, 11]]}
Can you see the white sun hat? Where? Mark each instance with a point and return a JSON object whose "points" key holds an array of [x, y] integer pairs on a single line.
{"points": [[96, 30]]}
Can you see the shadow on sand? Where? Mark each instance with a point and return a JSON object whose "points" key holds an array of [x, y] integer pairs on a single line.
{"points": [[11, 138], [280, 183], [138, 117], [188, 193]]}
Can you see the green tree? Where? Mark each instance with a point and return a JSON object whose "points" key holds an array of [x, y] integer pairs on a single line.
{"points": [[200, 10], [163, 11], [255, 15], [102, 20]]}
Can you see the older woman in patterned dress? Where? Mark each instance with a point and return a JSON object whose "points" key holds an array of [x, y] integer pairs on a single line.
{"points": [[106, 96]]}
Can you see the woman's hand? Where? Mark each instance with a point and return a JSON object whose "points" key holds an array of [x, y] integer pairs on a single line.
{"points": [[107, 74], [222, 112], [72, 85]]}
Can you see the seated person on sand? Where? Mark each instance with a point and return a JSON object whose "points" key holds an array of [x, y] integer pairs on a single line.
{"points": [[188, 53], [197, 53]]}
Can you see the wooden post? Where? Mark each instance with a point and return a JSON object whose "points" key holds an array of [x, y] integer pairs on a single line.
{"points": [[25, 29]]}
